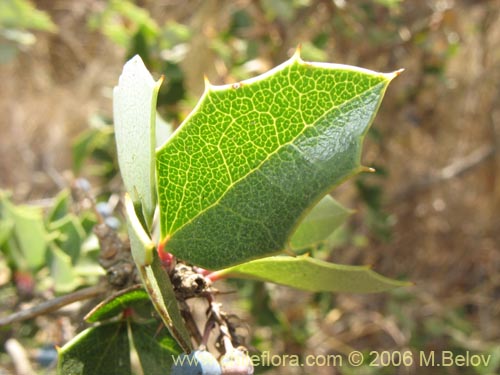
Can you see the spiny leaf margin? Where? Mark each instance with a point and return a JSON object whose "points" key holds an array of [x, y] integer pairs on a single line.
{"points": [[224, 197]]}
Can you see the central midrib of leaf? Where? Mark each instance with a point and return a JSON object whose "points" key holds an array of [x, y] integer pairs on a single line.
{"points": [[225, 127]]}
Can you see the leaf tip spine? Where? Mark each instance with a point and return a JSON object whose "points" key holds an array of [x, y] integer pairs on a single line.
{"points": [[366, 169], [396, 73], [296, 55], [208, 85], [160, 81]]}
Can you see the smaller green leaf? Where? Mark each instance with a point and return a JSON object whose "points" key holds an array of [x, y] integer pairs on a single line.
{"points": [[70, 235], [100, 350], [319, 223], [80, 148], [114, 305], [60, 207], [29, 231], [161, 292], [155, 347], [62, 271], [6, 227], [96, 142], [134, 111], [304, 272]]}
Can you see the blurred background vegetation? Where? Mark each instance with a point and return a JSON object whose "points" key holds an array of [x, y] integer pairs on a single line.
{"points": [[429, 214]]}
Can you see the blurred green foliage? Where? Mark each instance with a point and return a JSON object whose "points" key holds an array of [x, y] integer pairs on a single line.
{"points": [[17, 19], [35, 241]]}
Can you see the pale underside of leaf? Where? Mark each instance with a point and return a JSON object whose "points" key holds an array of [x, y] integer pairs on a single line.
{"points": [[236, 178], [134, 112], [313, 275]]}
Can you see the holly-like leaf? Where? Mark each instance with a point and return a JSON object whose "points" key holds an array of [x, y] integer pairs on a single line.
{"points": [[319, 224], [304, 272], [134, 112], [237, 177]]}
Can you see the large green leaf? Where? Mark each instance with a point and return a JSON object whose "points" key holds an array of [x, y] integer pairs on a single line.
{"points": [[134, 112], [311, 274], [252, 158]]}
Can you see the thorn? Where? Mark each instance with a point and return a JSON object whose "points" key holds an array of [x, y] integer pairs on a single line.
{"points": [[367, 169], [208, 85], [296, 54], [391, 76]]}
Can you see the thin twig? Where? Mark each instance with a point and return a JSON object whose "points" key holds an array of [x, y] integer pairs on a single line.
{"points": [[454, 170], [54, 304]]}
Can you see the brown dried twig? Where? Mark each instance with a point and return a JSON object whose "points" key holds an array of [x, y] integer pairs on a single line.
{"points": [[453, 170], [55, 304]]}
